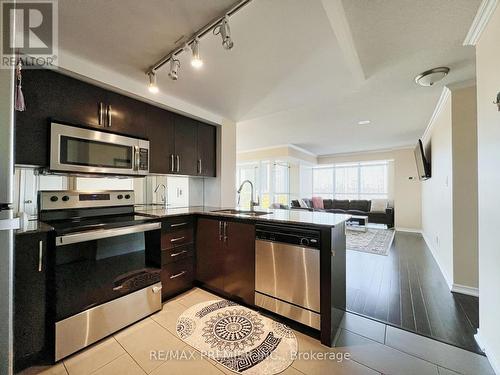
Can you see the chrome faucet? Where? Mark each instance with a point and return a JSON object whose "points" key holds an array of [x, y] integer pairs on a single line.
{"points": [[252, 203], [164, 195]]}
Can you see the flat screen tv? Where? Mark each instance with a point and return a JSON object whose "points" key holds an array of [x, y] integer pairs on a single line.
{"points": [[423, 165]]}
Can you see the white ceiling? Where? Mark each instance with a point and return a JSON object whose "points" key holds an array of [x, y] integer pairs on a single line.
{"points": [[286, 81]]}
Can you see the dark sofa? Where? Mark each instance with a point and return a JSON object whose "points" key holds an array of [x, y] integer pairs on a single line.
{"points": [[353, 207]]}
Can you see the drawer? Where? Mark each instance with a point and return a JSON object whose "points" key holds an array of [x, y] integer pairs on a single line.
{"points": [[176, 223], [176, 253], [177, 277], [176, 238]]}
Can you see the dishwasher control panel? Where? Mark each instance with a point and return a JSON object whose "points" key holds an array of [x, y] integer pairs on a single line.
{"points": [[289, 235]]}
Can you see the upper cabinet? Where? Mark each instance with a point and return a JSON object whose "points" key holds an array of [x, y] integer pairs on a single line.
{"points": [[178, 144]]}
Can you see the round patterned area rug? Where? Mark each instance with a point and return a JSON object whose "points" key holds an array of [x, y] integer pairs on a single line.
{"points": [[238, 338]]}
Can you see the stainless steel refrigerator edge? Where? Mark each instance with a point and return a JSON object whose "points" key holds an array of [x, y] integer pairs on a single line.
{"points": [[7, 222]]}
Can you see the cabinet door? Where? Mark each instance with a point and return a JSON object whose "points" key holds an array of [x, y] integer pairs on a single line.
{"points": [[209, 253], [185, 145], [29, 297], [206, 150], [160, 131], [50, 95], [125, 115], [239, 261]]}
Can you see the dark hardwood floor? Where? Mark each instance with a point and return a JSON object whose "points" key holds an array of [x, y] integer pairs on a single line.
{"points": [[406, 289]]}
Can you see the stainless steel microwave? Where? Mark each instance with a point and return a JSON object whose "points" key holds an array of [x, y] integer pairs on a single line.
{"points": [[86, 151]]}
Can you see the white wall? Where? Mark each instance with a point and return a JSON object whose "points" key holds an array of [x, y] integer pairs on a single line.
{"points": [[437, 202], [406, 187], [488, 85]]}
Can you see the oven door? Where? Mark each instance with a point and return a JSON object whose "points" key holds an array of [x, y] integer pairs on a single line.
{"points": [[94, 267], [80, 150]]}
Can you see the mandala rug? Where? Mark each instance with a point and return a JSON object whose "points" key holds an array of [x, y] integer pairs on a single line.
{"points": [[374, 241], [238, 338]]}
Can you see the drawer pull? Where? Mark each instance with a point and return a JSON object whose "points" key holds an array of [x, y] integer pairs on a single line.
{"points": [[179, 253], [177, 239], [178, 225], [40, 255], [178, 275]]}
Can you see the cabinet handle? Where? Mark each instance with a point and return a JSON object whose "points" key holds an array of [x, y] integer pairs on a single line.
{"points": [[177, 239], [178, 275], [199, 166], [108, 115], [220, 230], [225, 231], [178, 163], [101, 114], [178, 224], [172, 167], [40, 255], [179, 253]]}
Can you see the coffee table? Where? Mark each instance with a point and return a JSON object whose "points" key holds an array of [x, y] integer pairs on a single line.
{"points": [[357, 223]]}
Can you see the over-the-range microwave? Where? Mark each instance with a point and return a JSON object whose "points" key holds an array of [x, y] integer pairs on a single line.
{"points": [[86, 151]]}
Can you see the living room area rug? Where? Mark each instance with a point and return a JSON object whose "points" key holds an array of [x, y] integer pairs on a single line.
{"points": [[373, 241], [238, 338]]}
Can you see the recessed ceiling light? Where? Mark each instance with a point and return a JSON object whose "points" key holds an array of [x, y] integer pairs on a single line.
{"points": [[430, 77], [364, 122]]}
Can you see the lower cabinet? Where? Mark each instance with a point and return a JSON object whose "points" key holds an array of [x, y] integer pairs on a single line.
{"points": [[31, 324], [177, 256], [225, 257]]}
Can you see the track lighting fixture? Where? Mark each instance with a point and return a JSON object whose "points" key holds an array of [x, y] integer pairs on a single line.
{"points": [[152, 87], [196, 60], [224, 31], [174, 68]]}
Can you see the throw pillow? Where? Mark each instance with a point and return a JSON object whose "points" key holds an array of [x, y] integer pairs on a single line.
{"points": [[379, 205], [318, 203], [302, 203]]}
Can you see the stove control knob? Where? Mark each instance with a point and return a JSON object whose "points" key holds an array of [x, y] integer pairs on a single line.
{"points": [[304, 241], [54, 198], [65, 198], [127, 196], [120, 196]]}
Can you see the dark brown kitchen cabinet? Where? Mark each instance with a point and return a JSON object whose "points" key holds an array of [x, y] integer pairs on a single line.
{"points": [[225, 252], [30, 298], [206, 150], [186, 131], [124, 115], [160, 130]]}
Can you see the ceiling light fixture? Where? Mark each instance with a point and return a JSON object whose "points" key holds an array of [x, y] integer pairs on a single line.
{"points": [[152, 87], [196, 60], [174, 68], [430, 77], [224, 31], [364, 122]]}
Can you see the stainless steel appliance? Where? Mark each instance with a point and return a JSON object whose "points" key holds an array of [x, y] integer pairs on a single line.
{"points": [[87, 151], [7, 222], [287, 272], [106, 265]]}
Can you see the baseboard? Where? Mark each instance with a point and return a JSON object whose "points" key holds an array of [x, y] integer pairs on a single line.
{"points": [[464, 289], [433, 252], [484, 347], [410, 230]]}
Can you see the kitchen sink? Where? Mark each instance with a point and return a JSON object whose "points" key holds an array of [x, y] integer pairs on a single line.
{"points": [[242, 212]]}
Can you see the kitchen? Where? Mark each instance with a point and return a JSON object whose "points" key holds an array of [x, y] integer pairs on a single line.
{"points": [[112, 256]]}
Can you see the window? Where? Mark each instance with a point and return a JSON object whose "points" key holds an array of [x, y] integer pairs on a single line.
{"points": [[271, 183], [351, 181]]}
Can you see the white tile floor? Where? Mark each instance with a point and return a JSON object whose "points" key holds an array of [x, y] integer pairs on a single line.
{"points": [[374, 348]]}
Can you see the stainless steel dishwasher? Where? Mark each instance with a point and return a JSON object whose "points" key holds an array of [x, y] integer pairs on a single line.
{"points": [[287, 272]]}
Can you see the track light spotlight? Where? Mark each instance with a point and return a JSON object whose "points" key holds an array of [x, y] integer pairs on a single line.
{"points": [[174, 68], [196, 60], [152, 87], [224, 31]]}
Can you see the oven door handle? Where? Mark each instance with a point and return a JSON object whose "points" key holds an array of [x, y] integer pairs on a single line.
{"points": [[104, 233]]}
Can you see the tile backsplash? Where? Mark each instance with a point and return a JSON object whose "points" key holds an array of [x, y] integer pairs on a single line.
{"points": [[181, 191]]}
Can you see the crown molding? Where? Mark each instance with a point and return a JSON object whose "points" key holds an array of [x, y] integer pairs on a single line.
{"points": [[480, 21], [445, 95], [289, 145], [367, 152]]}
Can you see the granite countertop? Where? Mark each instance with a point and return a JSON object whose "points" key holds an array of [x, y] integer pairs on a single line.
{"points": [[314, 218]]}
